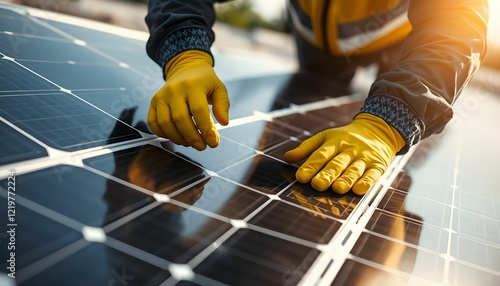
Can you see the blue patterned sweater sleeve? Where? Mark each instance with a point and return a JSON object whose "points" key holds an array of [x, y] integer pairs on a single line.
{"points": [[399, 115], [176, 26], [191, 38]]}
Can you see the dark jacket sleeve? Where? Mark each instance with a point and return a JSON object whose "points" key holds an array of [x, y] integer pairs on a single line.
{"points": [[176, 26], [440, 55]]}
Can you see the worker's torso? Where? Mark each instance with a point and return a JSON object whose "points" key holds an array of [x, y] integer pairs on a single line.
{"points": [[350, 26]]}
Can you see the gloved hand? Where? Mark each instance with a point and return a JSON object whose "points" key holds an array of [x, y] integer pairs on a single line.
{"points": [[179, 110], [352, 156]]}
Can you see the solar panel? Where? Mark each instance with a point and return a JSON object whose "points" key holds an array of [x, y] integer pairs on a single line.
{"points": [[90, 197]]}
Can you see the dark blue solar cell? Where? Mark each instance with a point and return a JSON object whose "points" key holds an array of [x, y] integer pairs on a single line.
{"points": [[30, 48], [35, 236], [98, 264], [149, 167], [171, 233], [93, 37], [15, 78], [131, 106], [260, 135], [79, 194], [261, 173], [253, 258], [305, 224], [82, 76], [215, 159], [134, 56], [63, 121], [15, 147]]}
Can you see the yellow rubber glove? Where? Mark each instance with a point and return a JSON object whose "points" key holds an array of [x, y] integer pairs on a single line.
{"points": [[349, 157], [179, 110]]}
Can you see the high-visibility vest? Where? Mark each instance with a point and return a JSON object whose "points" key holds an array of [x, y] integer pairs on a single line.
{"points": [[349, 27]]}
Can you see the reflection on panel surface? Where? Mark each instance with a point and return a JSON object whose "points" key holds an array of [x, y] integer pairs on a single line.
{"points": [[261, 173], [149, 167], [62, 188], [260, 135], [398, 256], [434, 217], [298, 222], [322, 203], [97, 263], [222, 197], [416, 232], [171, 233], [250, 257], [225, 155], [129, 105]]}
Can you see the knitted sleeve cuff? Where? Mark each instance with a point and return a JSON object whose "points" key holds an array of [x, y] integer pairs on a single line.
{"points": [[399, 115], [191, 38]]}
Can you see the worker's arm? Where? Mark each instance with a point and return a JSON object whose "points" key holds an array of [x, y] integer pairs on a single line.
{"points": [[180, 41], [440, 55], [410, 102]]}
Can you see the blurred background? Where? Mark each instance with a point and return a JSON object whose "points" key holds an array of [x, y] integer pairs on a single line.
{"points": [[247, 24]]}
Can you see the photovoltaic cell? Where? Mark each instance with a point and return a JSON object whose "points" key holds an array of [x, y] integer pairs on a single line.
{"points": [[149, 167], [94, 37], [260, 135], [321, 203], [297, 222], [40, 236], [148, 212], [174, 235], [252, 256], [233, 201], [17, 147], [261, 173], [63, 187], [14, 78], [129, 105], [64, 122], [214, 159], [22, 47], [98, 263], [83, 76], [416, 232]]}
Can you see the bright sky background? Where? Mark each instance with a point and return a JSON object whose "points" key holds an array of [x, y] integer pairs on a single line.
{"points": [[494, 25], [271, 8]]}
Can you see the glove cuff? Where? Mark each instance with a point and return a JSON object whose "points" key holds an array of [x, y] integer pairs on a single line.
{"points": [[391, 134], [186, 57], [397, 114], [184, 39]]}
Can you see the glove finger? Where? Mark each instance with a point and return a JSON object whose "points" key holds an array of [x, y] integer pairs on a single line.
{"points": [[184, 122], [198, 106], [343, 184], [333, 169], [167, 125], [153, 123], [315, 162], [220, 104], [306, 148], [367, 180]]}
